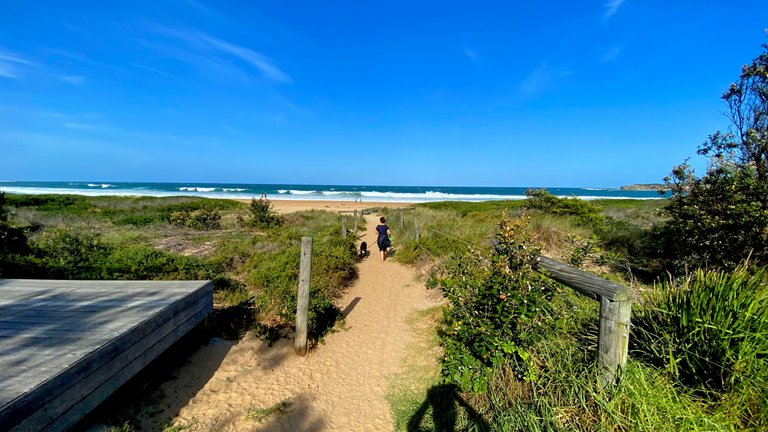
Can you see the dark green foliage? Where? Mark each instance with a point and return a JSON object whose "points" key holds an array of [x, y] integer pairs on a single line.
{"points": [[12, 240], [722, 218], [13, 243], [322, 315], [60, 253], [718, 220], [84, 239], [262, 215], [498, 307], [274, 277], [74, 204], [64, 254], [3, 210], [708, 328], [466, 208], [624, 236], [139, 211], [141, 262], [585, 212], [204, 219]]}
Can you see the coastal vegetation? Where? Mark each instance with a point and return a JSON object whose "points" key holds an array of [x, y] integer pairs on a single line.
{"points": [[695, 264], [250, 254], [518, 351]]}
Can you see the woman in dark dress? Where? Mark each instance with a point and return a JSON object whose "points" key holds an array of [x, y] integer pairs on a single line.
{"points": [[382, 241]]}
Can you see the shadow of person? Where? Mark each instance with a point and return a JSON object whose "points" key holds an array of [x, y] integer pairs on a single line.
{"points": [[445, 401]]}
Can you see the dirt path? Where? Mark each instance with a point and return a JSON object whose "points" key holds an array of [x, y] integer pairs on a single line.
{"points": [[340, 386]]}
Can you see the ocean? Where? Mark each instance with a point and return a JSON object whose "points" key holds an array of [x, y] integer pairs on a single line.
{"points": [[413, 194]]}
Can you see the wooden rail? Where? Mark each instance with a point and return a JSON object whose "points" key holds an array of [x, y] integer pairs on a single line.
{"points": [[615, 312]]}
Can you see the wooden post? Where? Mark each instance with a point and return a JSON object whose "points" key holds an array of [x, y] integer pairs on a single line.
{"points": [[401, 220], [302, 300], [355, 229], [613, 340], [416, 229], [344, 226], [615, 313]]}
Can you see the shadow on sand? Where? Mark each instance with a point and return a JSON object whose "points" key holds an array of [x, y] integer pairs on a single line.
{"points": [[138, 402], [446, 404]]}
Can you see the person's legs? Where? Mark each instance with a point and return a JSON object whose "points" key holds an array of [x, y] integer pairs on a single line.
{"points": [[383, 255]]}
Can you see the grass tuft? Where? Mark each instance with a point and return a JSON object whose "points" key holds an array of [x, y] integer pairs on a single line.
{"points": [[258, 415]]}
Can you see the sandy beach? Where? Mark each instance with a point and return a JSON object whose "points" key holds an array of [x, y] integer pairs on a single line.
{"points": [[289, 206], [341, 385]]}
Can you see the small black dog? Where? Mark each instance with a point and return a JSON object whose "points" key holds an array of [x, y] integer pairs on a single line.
{"points": [[363, 250]]}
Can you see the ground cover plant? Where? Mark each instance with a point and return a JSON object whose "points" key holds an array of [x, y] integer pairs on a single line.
{"points": [[551, 384], [253, 264]]}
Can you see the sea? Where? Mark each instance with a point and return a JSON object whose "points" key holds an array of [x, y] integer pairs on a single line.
{"points": [[410, 194]]}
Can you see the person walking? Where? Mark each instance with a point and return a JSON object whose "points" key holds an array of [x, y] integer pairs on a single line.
{"points": [[383, 241]]}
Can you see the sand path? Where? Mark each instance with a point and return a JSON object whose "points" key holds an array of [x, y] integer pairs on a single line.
{"points": [[340, 386]]}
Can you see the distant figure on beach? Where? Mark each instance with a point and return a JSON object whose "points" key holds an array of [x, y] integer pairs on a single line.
{"points": [[383, 240]]}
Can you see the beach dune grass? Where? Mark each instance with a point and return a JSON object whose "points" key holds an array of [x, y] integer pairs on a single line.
{"points": [[565, 395], [80, 237]]}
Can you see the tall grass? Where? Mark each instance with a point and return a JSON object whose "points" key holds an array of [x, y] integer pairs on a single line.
{"points": [[669, 383], [709, 330], [77, 237]]}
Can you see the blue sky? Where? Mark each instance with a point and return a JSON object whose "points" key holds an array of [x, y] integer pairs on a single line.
{"points": [[569, 93]]}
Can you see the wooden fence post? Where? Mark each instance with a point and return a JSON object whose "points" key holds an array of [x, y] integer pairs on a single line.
{"points": [[302, 300], [416, 229], [613, 340], [344, 226], [615, 313], [401, 220], [355, 229]]}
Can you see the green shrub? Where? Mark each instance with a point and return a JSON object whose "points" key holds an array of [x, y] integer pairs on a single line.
{"points": [[68, 255], [142, 262], [710, 331], [62, 204], [498, 307], [262, 215], [720, 220], [204, 219], [585, 212]]}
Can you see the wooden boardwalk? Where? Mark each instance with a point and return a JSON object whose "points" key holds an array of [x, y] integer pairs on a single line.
{"points": [[67, 345]]}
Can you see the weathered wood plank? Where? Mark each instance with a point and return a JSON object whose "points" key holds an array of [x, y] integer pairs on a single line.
{"points": [[79, 398], [77, 412], [583, 282], [108, 351], [80, 363]]}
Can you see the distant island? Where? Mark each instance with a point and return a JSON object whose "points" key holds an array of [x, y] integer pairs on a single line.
{"points": [[644, 187]]}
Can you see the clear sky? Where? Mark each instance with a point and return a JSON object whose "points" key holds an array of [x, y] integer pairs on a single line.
{"points": [[508, 93]]}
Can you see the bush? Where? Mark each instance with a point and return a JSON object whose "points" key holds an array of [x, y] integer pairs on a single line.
{"points": [[142, 262], [203, 219], [709, 330], [67, 255], [585, 212], [262, 215], [498, 307], [719, 221], [722, 217]]}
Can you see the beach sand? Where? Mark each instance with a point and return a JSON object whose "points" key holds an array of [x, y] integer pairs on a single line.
{"points": [[341, 385], [289, 206]]}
